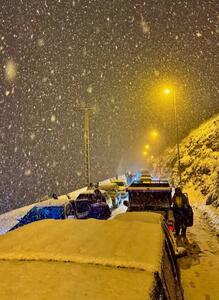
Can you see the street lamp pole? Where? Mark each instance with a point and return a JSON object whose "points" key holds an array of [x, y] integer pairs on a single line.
{"points": [[177, 135]]}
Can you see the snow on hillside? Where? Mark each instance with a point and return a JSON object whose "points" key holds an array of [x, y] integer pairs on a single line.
{"points": [[199, 153]]}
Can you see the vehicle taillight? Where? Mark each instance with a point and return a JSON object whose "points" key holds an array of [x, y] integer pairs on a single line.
{"points": [[170, 225], [171, 228]]}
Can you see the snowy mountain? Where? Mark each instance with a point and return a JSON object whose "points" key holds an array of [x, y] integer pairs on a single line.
{"points": [[199, 153]]}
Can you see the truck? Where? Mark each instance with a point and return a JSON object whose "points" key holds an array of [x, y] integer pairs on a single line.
{"points": [[154, 195]]}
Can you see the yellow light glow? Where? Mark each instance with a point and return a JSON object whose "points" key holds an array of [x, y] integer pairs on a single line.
{"points": [[145, 153], [167, 91], [154, 134], [147, 147]]}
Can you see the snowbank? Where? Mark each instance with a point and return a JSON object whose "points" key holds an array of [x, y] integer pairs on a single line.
{"points": [[211, 215]]}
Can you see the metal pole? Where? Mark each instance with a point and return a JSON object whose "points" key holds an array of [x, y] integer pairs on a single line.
{"points": [[177, 136], [86, 111], [86, 146]]}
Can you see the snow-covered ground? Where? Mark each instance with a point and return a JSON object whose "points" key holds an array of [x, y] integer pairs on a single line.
{"points": [[200, 268]]}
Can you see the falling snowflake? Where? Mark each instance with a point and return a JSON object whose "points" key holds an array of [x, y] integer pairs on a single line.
{"points": [[53, 118], [32, 136], [41, 42], [144, 26], [79, 173], [198, 34], [10, 70], [90, 89], [27, 172]]}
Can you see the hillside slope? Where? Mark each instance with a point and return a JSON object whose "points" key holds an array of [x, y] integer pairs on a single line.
{"points": [[199, 153]]}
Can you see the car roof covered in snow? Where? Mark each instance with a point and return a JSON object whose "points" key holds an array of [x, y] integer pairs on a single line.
{"points": [[91, 259], [91, 191], [109, 185], [146, 217], [152, 185]]}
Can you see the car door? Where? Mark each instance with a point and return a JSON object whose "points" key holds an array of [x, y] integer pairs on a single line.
{"points": [[170, 274]]}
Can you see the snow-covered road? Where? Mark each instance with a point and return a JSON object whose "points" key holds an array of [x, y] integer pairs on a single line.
{"points": [[200, 269]]}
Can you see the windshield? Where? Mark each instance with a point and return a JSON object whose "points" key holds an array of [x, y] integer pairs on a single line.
{"points": [[90, 197]]}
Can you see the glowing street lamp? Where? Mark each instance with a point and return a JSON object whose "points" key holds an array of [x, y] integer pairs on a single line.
{"points": [[154, 134], [168, 91]]}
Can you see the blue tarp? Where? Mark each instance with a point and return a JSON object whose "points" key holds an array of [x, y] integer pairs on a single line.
{"points": [[41, 212]]}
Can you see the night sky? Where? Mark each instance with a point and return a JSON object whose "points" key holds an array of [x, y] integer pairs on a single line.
{"points": [[113, 55]]}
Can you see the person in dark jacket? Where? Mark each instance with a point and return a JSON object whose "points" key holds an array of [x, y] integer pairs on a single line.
{"points": [[180, 204], [105, 212]]}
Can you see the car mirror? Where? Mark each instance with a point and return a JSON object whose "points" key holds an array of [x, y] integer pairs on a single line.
{"points": [[126, 203]]}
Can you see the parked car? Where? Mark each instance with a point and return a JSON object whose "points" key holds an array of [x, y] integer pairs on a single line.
{"points": [[121, 186], [88, 205], [169, 273], [65, 259], [40, 212]]}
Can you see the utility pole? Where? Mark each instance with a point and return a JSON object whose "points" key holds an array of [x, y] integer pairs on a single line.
{"points": [[86, 111]]}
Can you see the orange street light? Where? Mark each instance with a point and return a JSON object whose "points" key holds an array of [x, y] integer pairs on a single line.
{"points": [[168, 91], [154, 134]]}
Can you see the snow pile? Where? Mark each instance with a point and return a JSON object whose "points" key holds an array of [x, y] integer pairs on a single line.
{"points": [[211, 215], [199, 153]]}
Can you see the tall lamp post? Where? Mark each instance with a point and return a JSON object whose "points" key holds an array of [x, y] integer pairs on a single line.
{"points": [[172, 91]]}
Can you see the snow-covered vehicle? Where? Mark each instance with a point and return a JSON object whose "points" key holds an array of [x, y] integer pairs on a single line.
{"points": [[87, 206], [89, 261], [113, 191], [40, 212], [121, 186], [151, 196]]}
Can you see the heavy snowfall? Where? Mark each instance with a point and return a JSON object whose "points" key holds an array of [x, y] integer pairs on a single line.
{"points": [[116, 58]]}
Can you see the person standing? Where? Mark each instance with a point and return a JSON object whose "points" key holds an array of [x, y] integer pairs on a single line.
{"points": [[180, 204]]}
